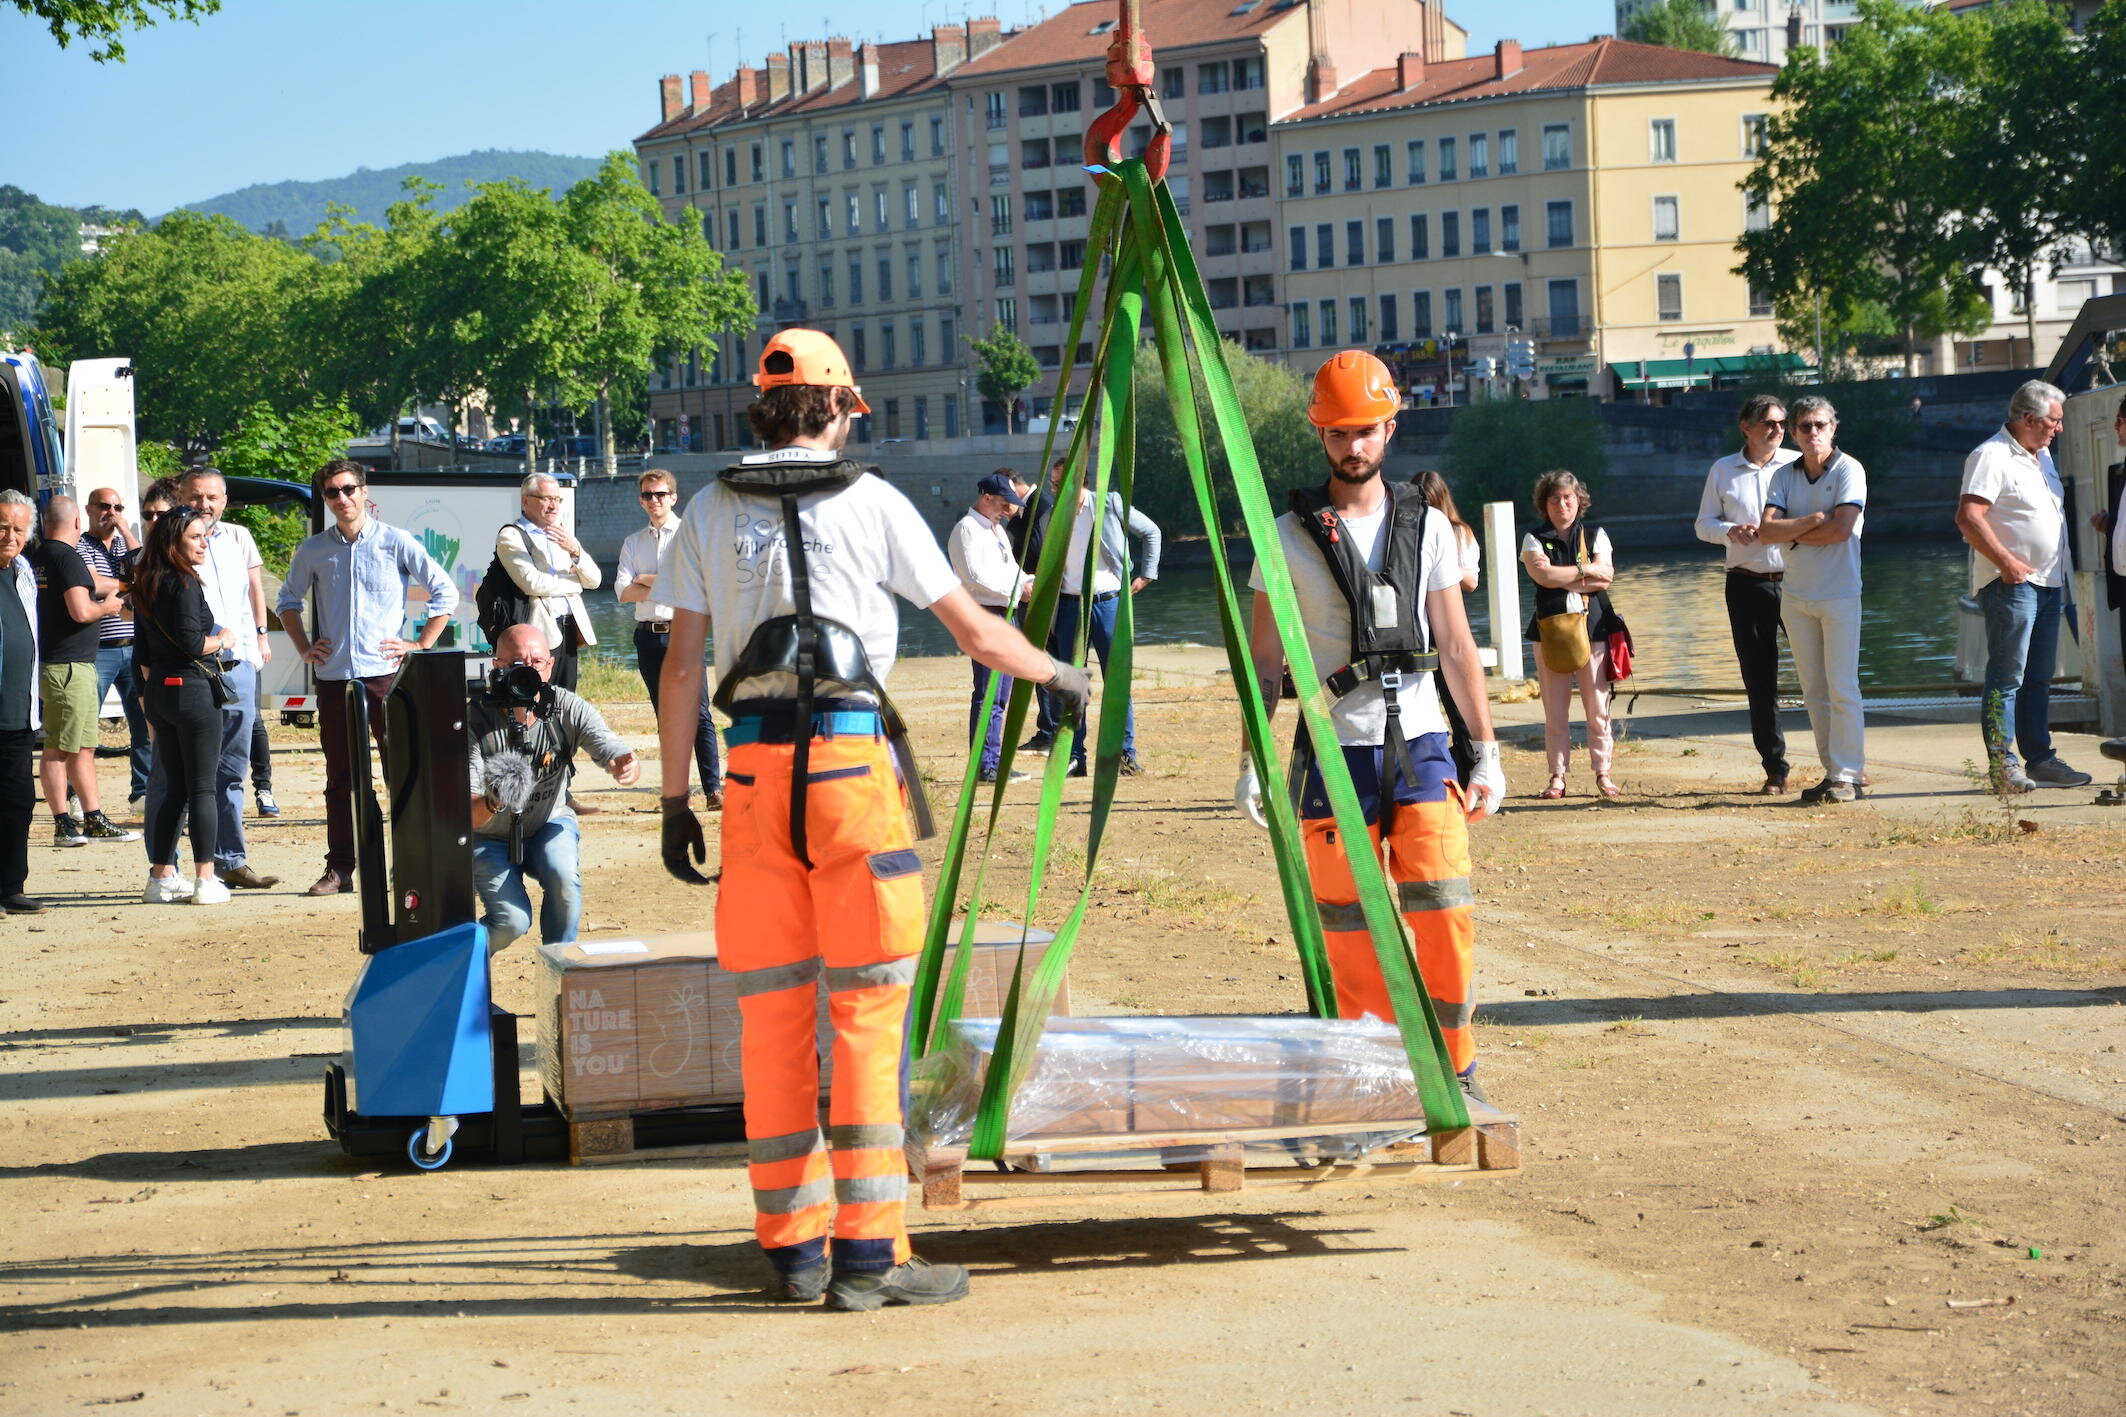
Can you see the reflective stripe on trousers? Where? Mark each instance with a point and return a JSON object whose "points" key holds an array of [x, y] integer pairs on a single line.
{"points": [[852, 922], [1428, 858]]}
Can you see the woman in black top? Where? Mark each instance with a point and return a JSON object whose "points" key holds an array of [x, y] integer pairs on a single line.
{"points": [[176, 640]]}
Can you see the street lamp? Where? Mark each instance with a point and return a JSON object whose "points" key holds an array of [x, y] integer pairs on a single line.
{"points": [[1450, 336]]}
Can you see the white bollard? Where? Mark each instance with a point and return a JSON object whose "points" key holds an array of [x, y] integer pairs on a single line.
{"points": [[1502, 577]]}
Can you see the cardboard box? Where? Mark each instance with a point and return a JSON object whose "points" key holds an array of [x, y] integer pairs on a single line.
{"points": [[633, 1025]]}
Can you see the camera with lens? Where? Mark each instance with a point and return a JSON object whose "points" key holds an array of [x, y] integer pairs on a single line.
{"points": [[518, 686]]}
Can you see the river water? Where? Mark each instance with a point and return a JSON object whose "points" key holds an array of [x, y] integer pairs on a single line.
{"points": [[1672, 599]]}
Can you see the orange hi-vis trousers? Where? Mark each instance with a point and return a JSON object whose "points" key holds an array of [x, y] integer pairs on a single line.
{"points": [[1428, 859], [853, 922]]}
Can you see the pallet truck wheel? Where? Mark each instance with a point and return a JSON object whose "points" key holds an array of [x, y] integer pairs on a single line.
{"points": [[421, 1158]]}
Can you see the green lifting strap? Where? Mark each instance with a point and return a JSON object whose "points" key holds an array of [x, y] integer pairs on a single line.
{"points": [[1153, 275]]}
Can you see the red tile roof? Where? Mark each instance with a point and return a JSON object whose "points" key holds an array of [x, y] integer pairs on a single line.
{"points": [[1560, 66], [1068, 38], [904, 67]]}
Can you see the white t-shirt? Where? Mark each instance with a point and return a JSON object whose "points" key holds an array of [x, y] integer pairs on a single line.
{"points": [[863, 545], [2029, 511], [1597, 550], [1472, 553], [1361, 716], [226, 579], [1822, 572]]}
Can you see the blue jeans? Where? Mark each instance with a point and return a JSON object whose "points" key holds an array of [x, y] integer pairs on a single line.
{"points": [[550, 857], [114, 665], [2022, 651], [1063, 643], [991, 741], [230, 775]]}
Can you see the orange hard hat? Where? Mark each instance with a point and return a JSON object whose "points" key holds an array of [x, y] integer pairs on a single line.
{"points": [[1352, 390], [807, 357]]}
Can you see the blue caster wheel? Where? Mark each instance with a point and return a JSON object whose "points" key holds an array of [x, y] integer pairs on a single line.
{"points": [[418, 1154]]}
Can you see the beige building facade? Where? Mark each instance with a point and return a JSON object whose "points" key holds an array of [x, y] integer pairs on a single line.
{"points": [[1580, 197]]}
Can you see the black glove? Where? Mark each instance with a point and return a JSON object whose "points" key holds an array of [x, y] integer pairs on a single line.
{"points": [[683, 846], [1072, 688]]}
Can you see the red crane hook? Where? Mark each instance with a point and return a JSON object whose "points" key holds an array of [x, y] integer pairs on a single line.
{"points": [[1131, 74]]}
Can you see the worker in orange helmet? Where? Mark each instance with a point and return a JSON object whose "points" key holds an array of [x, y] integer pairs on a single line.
{"points": [[1378, 579], [796, 554]]}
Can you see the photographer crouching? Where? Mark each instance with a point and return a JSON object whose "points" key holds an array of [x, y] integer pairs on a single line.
{"points": [[525, 733]]}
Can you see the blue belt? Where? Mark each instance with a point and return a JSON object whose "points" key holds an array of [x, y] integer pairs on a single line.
{"points": [[824, 725]]}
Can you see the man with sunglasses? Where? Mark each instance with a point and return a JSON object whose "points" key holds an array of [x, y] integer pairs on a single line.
{"points": [[108, 546], [1729, 514], [359, 569], [635, 584]]}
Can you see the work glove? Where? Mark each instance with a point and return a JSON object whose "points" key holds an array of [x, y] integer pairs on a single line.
{"points": [[1072, 688], [683, 846], [1487, 781], [1247, 794]]}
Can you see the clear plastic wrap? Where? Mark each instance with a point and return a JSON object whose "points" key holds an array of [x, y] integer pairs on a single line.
{"points": [[1149, 1081]]}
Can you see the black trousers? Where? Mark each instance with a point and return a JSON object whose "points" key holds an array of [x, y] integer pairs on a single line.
{"points": [[18, 806], [188, 732], [650, 650], [1753, 620], [564, 675]]}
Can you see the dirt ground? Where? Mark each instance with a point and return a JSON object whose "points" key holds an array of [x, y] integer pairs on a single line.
{"points": [[1823, 1114]]}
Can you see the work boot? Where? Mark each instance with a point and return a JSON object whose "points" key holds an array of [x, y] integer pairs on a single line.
{"points": [[800, 1286], [97, 827], [67, 832], [2054, 773], [916, 1282]]}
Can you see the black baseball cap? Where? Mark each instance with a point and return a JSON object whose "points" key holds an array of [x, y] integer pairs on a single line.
{"points": [[997, 484]]}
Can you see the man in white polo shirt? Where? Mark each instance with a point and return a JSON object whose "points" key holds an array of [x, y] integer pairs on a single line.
{"points": [[635, 583], [980, 550], [2013, 512]]}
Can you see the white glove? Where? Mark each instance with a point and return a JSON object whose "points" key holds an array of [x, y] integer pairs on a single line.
{"points": [[1487, 782], [1247, 794]]}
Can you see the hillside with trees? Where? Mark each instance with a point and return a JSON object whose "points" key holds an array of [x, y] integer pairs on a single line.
{"points": [[299, 207]]}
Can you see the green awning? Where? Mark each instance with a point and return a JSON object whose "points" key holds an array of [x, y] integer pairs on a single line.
{"points": [[1697, 373]]}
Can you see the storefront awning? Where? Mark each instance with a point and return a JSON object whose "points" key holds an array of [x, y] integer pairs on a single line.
{"points": [[1639, 374]]}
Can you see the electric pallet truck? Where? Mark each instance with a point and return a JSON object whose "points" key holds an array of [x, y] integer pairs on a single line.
{"points": [[430, 1067]]}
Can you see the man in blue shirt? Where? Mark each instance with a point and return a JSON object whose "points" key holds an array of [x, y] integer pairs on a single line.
{"points": [[360, 570]]}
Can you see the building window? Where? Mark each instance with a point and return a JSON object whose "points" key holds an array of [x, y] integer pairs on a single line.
{"points": [[1420, 237], [789, 223], [1421, 314], [1384, 240], [1760, 302], [1452, 308], [1661, 139], [856, 279], [1296, 243], [1070, 201], [1447, 160], [915, 273], [1000, 216], [937, 135], [789, 158], [1450, 234], [940, 205], [944, 253], [1251, 128], [656, 182], [1033, 101], [1509, 151], [732, 224], [885, 275], [855, 211], [1324, 245], [1300, 315], [1008, 313], [1515, 315], [1173, 82], [1354, 243], [1479, 155], [1247, 73], [888, 356], [1665, 219], [760, 167], [1668, 296], [1214, 77], [1388, 331], [1070, 255], [1358, 319], [760, 224], [730, 167], [1510, 227], [1063, 97], [859, 363], [1752, 134], [1383, 165], [922, 411], [911, 207], [1557, 146], [907, 140], [1417, 162], [1005, 273], [1480, 232], [792, 289], [679, 174], [993, 109], [826, 285], [1485, 322], [1295, 175], [948, 347], [703, 169], [1217, 133], [1353, 177], [825, 218], [1756, 216], [1328, 322], [952, 416], [1558, 223], [881, 209], [1322, 180]]}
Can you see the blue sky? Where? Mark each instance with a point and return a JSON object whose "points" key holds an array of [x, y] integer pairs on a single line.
{"points": [[270, 90]]}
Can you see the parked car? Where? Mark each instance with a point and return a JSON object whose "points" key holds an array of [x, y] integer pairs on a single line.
{"points": [[572, 445], [508, 444]]}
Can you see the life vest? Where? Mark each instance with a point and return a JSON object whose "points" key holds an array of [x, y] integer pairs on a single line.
{"points": [[815, 650], [1388, 638]]}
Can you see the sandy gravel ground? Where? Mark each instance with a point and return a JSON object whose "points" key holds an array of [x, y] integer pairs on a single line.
{"points": [[1796, 1086]]}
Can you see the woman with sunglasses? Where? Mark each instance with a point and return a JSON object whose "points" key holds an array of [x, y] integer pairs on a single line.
{"points": [[175, 637]]}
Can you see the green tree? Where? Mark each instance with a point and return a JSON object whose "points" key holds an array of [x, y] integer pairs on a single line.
{"points": [[1006, 368], [1496, 449], [284, 448], [101, 22], [1865, 178], [1273, 401], [2096, 200], [1679, 24]]}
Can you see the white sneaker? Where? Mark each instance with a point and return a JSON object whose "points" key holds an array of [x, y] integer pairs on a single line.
{"points": [[167, 890], [210, 892]]}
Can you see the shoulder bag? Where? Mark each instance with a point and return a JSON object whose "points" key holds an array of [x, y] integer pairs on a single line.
{"points": [[1564, 645]]}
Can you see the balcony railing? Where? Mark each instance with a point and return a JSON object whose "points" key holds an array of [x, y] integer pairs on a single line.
{"points": [[788, 311]]}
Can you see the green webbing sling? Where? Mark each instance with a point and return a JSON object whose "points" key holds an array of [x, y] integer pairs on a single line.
{"points": [[1136, 227]]}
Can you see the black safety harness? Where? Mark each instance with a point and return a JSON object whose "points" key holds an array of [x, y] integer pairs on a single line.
{"points": [[812, 648], [1388, 643]]}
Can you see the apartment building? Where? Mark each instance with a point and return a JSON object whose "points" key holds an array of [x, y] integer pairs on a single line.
{"points": [[828, 176], [1584, 196], [1228, 69]]}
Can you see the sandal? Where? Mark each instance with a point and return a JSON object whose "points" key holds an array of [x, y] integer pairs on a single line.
{"points": [[1607, 788], [1556, 789]]}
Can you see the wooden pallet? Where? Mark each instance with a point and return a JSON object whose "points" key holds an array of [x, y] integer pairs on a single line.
{"points": [[1490, 1146], [607, 1140]]}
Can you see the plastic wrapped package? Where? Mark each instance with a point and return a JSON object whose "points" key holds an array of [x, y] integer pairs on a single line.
{"points": [[1152, 1078]]}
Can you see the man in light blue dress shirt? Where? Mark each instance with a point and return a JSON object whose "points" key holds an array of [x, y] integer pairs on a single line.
{"points": [[359, 570]]}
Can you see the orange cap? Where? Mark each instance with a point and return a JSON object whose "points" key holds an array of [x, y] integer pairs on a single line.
{"points": [[1352, 390], [807, 357]]}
